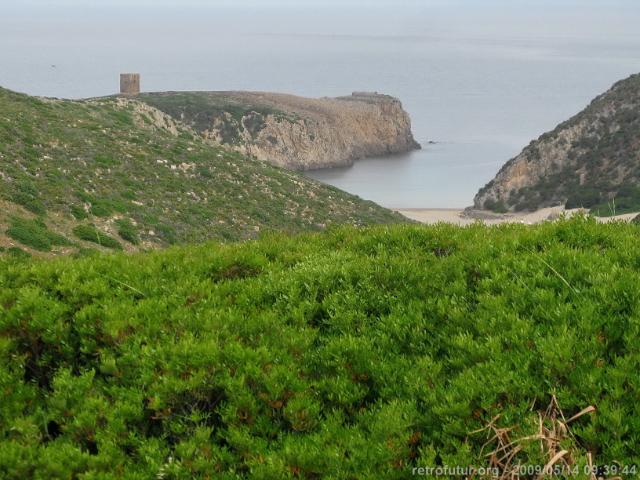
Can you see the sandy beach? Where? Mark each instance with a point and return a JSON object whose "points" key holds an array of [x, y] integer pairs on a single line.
{"points": [[458, 216]]}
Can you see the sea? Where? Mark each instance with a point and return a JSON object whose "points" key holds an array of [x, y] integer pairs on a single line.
{"points": [[480, 79]]}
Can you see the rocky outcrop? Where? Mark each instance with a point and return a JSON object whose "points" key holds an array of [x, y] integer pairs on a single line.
{"points": [[294, 132], [588, 161]]}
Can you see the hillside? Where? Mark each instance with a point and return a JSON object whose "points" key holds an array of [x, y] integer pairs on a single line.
{"points": [[115, 173], [294, 132], [349, 354], [590, 161]]}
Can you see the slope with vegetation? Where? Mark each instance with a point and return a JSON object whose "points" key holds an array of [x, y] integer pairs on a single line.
{"points": [[115, 173], [348, 354], [590, 161]]}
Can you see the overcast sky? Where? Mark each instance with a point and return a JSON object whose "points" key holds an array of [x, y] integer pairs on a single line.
{"points": [[606, 18], [318, 3]]}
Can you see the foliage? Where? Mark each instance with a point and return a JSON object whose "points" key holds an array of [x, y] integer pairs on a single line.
{"points": [[583, 198], [90, 233], [17, 252], [78, 212], [128, 231], [495, 206], [99, 160], [351, 354], [627, 200], [26, 194], [35, 234]]}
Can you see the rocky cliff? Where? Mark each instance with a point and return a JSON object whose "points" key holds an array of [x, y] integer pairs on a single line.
{"points": [[590, 161], [294, 132]]}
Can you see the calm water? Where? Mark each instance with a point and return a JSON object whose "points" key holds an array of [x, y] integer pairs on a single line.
{"points": [[481, 82]]}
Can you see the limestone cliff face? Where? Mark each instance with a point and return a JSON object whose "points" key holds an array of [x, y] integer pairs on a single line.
{"points": [[586, 161], [294, 132], [541, 159]]}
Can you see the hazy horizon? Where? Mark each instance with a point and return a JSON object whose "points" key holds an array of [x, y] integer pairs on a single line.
{"points": [[54, 29]]}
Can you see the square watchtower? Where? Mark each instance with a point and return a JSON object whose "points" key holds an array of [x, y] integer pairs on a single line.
{"points": [[129, 83]]}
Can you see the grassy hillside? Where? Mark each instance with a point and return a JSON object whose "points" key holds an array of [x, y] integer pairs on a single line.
{"points": [[350, 354], [117, 174]]}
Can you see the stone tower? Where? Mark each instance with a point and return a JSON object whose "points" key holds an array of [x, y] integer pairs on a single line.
{"points": [[129, 83]]}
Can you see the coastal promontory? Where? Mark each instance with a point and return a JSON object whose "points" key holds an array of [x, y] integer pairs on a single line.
{"points": [[294, 132]]}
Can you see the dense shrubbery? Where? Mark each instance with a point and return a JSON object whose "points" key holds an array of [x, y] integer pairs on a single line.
{"points": [[351, 354], [626, 200], [495, 206], [583, 198], [35, 234], [128, 231], [90, 233], [26, 194]]}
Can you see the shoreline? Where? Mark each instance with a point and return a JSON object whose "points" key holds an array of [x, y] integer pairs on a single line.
{"points": [[462, 217]]}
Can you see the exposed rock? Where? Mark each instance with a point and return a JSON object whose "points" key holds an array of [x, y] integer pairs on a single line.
{"points": [[588, 161], [294, 132]]}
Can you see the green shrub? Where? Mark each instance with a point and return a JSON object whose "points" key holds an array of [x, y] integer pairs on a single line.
{"points": [[25, 193], [166, 233], [35, 234], [626, 200], [497, 206], [102, 207], [78, 212], [583, 198], [18, 253], [355, 353], [85, 252], [90, 233], [122, 117], [105, 160], [500, 207], [128, 231], [489, 204]]}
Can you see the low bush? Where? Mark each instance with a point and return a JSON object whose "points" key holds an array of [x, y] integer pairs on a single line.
{"points": [[626, 200], [90, 233], [349, 354], [583, 198], [25, 193], [18, 253], [35, 234], [128, 231], [78, 212]]}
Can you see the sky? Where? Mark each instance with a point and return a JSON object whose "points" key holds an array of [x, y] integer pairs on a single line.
{"points": [[605, 4], [571, 16]]}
